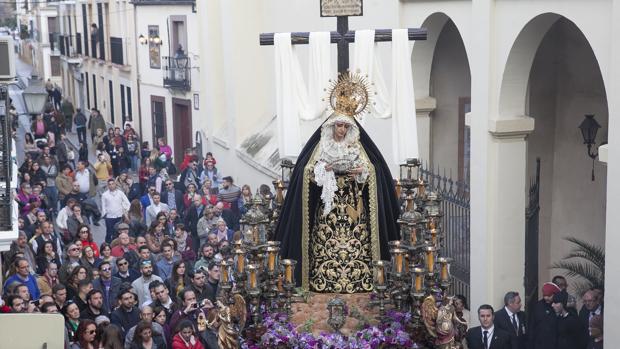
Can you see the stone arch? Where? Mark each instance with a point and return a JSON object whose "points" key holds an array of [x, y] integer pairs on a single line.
{"points": [[424, 51], [563, 81], [515, 78]]}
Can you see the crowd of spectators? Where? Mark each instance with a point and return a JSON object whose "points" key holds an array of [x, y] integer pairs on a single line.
{"points": [[152, 277]]}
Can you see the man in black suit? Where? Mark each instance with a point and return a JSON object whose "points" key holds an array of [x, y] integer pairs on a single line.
{"points": [[511, 319], [194, 212], [592, 306], [488, 336], [173, 197]]}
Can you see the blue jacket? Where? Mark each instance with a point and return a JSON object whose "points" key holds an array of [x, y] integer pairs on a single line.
{"points": [[31, 282]]}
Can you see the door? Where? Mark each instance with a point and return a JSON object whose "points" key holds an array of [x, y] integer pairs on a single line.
{"points": [[158, 118], [182, 121]]}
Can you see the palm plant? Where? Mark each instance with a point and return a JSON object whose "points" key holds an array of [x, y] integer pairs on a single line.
{"points": [[586, 263]]}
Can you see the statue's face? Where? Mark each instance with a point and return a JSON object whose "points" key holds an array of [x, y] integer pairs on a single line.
{"points": [[341, 129]]}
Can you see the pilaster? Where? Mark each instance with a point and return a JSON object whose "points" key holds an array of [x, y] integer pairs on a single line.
{"points": [[424, 107], [506, 186]]}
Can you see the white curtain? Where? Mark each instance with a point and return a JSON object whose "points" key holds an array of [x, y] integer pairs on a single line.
{"points": [[404, 125], [400, 103], [367, 63], [293, 100]]}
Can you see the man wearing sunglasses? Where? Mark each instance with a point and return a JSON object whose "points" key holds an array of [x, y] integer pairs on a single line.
{"points": [[108, 285], [125, 274]]}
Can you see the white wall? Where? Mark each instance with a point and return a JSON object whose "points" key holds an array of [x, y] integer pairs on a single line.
{"points": [[151, 79]]}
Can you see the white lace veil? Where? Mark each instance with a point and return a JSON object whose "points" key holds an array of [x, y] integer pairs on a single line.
{"points": [[327, 130]]}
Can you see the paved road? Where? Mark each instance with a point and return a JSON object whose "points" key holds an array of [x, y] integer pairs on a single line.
{"points": [[24, 71]]}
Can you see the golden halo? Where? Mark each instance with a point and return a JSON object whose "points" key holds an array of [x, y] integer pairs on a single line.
{"points": [[349, 95]]}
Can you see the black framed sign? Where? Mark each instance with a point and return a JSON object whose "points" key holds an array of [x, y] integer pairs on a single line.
{"points": [[338, 8]]}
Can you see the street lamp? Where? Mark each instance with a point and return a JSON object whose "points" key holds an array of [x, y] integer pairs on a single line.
{"points": [[182, 61], [589, 128], [35, 97]]}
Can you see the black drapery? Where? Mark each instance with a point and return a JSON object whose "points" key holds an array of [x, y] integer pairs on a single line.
{"points": [[289, 228]]}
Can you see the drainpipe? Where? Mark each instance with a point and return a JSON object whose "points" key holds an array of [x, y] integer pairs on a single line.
{"points": [[135, 31]]}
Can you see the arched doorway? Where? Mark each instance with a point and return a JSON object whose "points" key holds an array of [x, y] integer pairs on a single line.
{"points": [[553, 76], [441, 75]]}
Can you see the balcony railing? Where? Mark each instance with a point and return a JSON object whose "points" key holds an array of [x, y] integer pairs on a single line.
{"points": [[177, 72], [116, 50]]}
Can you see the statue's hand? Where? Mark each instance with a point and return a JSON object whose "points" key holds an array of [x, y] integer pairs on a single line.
{"points": [[355, 171]]}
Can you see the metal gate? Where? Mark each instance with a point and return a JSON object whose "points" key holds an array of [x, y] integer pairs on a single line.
{"points": [[531, 240], [455, 223]]}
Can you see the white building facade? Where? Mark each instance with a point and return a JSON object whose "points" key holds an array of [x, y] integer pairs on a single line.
{"points": [[97, 44], [40, 47], [168, 62]]}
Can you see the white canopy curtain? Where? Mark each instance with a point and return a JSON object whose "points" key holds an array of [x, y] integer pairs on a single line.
{"points": [[295, 102]]}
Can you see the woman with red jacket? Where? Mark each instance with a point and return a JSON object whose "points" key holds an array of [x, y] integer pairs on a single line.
{"points": [[185, 339]]}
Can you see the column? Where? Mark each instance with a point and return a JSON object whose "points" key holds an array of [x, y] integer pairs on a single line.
{"points": [[612, 238], [424, 107], [498, 255]]}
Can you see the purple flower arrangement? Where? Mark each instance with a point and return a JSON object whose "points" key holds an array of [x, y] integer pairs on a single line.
{"points": [[391, 333]]}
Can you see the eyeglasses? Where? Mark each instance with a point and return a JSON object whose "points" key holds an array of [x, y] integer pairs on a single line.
{"points": [[74, 249], [169, 184], [124, 263], [105, 269], [84, 231], [91, 332]]}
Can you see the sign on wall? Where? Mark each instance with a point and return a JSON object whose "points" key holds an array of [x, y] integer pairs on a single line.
{"points": [[335, 8], [154, 51]]}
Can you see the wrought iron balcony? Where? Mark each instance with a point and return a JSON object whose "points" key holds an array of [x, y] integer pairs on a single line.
{"points": [[177, 72]]}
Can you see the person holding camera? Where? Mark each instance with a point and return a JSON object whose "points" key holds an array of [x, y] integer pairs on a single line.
{"points": [[103, 171], [190, 309]]}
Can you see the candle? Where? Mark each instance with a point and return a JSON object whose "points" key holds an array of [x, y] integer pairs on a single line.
{"points": [[398, 188], [445, 263], [252, 269], [399, 262], [380, 276], [224, 272], [419, 278], [240, 261], [421, 187], [414, 236], [430, 259], [434, 236], [289, 273], [271, 263], [280, 287]]}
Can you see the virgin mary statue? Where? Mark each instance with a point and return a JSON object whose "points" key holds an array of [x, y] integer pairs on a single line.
{"points": [[341, 208]]}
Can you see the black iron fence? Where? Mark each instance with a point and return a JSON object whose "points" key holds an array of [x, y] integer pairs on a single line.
{"points": [[455, 224], [531, 240]]}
